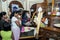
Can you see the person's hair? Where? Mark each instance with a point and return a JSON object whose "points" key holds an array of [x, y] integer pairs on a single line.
{"points": [[24, 13], [15, 12], [12, 14], [44, 14], [2, 13]]}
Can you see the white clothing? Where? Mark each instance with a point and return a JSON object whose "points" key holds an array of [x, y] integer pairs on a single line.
{"points": [[16, 33], [46, 21], [13, 22], [15, 29]]}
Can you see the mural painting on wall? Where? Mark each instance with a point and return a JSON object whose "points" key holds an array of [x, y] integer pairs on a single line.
{"points": [[15, 7]]}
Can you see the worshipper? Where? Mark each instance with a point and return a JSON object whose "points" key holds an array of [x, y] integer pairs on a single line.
{"points": [[25, 18], [44, 20], [5, 27], [15, 25]]}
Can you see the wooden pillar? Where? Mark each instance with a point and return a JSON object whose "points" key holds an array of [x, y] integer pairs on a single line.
{"points": [[40, 14]]}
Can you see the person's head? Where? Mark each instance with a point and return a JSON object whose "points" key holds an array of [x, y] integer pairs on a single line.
{"points": [[26, 13], [44, 14], [20, 11], [15, 13], [3, 15]]}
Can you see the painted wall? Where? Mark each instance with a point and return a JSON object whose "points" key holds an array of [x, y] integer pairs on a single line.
{"points": [[0, 6]]}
